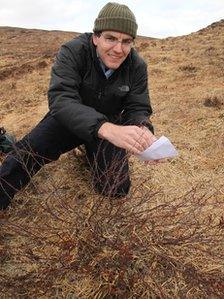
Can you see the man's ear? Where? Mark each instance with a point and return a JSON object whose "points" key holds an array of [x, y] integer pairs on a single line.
{"points": [[95, 39]]}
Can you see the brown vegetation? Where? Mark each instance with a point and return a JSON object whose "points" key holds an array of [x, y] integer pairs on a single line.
{"points": [[62, 240]]}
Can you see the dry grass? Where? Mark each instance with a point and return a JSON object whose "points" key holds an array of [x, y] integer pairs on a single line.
{"points": [[61, 240], [76, 243]]}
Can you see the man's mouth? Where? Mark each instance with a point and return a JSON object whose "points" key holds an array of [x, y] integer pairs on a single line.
{"points": [[115, 57]]}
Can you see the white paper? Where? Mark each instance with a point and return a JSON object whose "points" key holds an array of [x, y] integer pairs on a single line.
{"points": [[161, 148]]}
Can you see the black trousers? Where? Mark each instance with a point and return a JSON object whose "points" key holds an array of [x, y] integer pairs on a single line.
{"points": [[45, 143]]}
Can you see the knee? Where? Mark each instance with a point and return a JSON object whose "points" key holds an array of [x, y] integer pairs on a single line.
{"points": [[35, 150]]}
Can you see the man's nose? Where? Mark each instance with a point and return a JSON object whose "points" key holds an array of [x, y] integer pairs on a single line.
{"points": [[118, 47]]}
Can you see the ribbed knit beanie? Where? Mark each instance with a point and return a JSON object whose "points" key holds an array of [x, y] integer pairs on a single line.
{"points": [[116, 17]]}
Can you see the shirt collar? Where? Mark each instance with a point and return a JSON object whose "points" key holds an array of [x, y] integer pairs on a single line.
{"points": [[107, 72]]}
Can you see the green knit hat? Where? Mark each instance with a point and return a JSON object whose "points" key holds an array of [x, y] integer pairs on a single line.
{"points": [[116, 17]]}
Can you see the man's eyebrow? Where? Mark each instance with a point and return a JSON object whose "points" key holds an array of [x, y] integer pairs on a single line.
{"points": [[111, 35]]}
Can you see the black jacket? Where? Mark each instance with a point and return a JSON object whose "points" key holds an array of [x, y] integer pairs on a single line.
{"points": [[81, 98]]}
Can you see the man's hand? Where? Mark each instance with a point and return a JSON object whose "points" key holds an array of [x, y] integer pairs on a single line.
{"points": [[134, 139]]}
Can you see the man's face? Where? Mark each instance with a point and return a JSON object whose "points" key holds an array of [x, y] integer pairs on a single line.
{"points": [[113, 47]]}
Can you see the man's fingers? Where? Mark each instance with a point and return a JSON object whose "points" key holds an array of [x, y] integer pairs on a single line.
{"points": [[132, 147], [142, 139], [133, 150], [134, 139], [139, 146], [147, 138]]}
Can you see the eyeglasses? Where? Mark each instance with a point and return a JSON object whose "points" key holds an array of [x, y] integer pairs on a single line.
{"points": [[113, 41]]}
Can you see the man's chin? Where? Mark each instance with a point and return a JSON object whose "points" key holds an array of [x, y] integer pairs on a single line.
{"points": [[113, 66]]}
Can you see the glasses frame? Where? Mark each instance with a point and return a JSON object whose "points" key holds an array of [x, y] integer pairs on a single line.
{"points": [[113, 41]]}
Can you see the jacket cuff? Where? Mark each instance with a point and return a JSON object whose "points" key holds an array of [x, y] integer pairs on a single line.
{"points": [[99, 124]]}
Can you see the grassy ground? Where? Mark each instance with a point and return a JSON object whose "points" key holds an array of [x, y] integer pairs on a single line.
{"points": [[61, 240]]}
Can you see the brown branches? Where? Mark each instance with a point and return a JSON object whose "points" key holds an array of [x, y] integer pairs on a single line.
{"points": [[139, 246]]}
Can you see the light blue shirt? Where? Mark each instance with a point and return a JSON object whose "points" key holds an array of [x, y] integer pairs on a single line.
{"points": [[107, 72]]}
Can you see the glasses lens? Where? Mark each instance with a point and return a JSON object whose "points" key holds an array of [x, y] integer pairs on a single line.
{"points": [[113, 41]]}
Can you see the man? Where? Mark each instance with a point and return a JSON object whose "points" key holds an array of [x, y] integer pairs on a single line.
{"points": [[98, 96]]}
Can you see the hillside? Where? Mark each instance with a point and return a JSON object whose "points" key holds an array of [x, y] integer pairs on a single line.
{"points": [[186, 81], [186, 87]]}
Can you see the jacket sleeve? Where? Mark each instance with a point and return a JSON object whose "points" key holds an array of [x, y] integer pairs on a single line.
{"points": [[65, 103], [137, 107]]}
